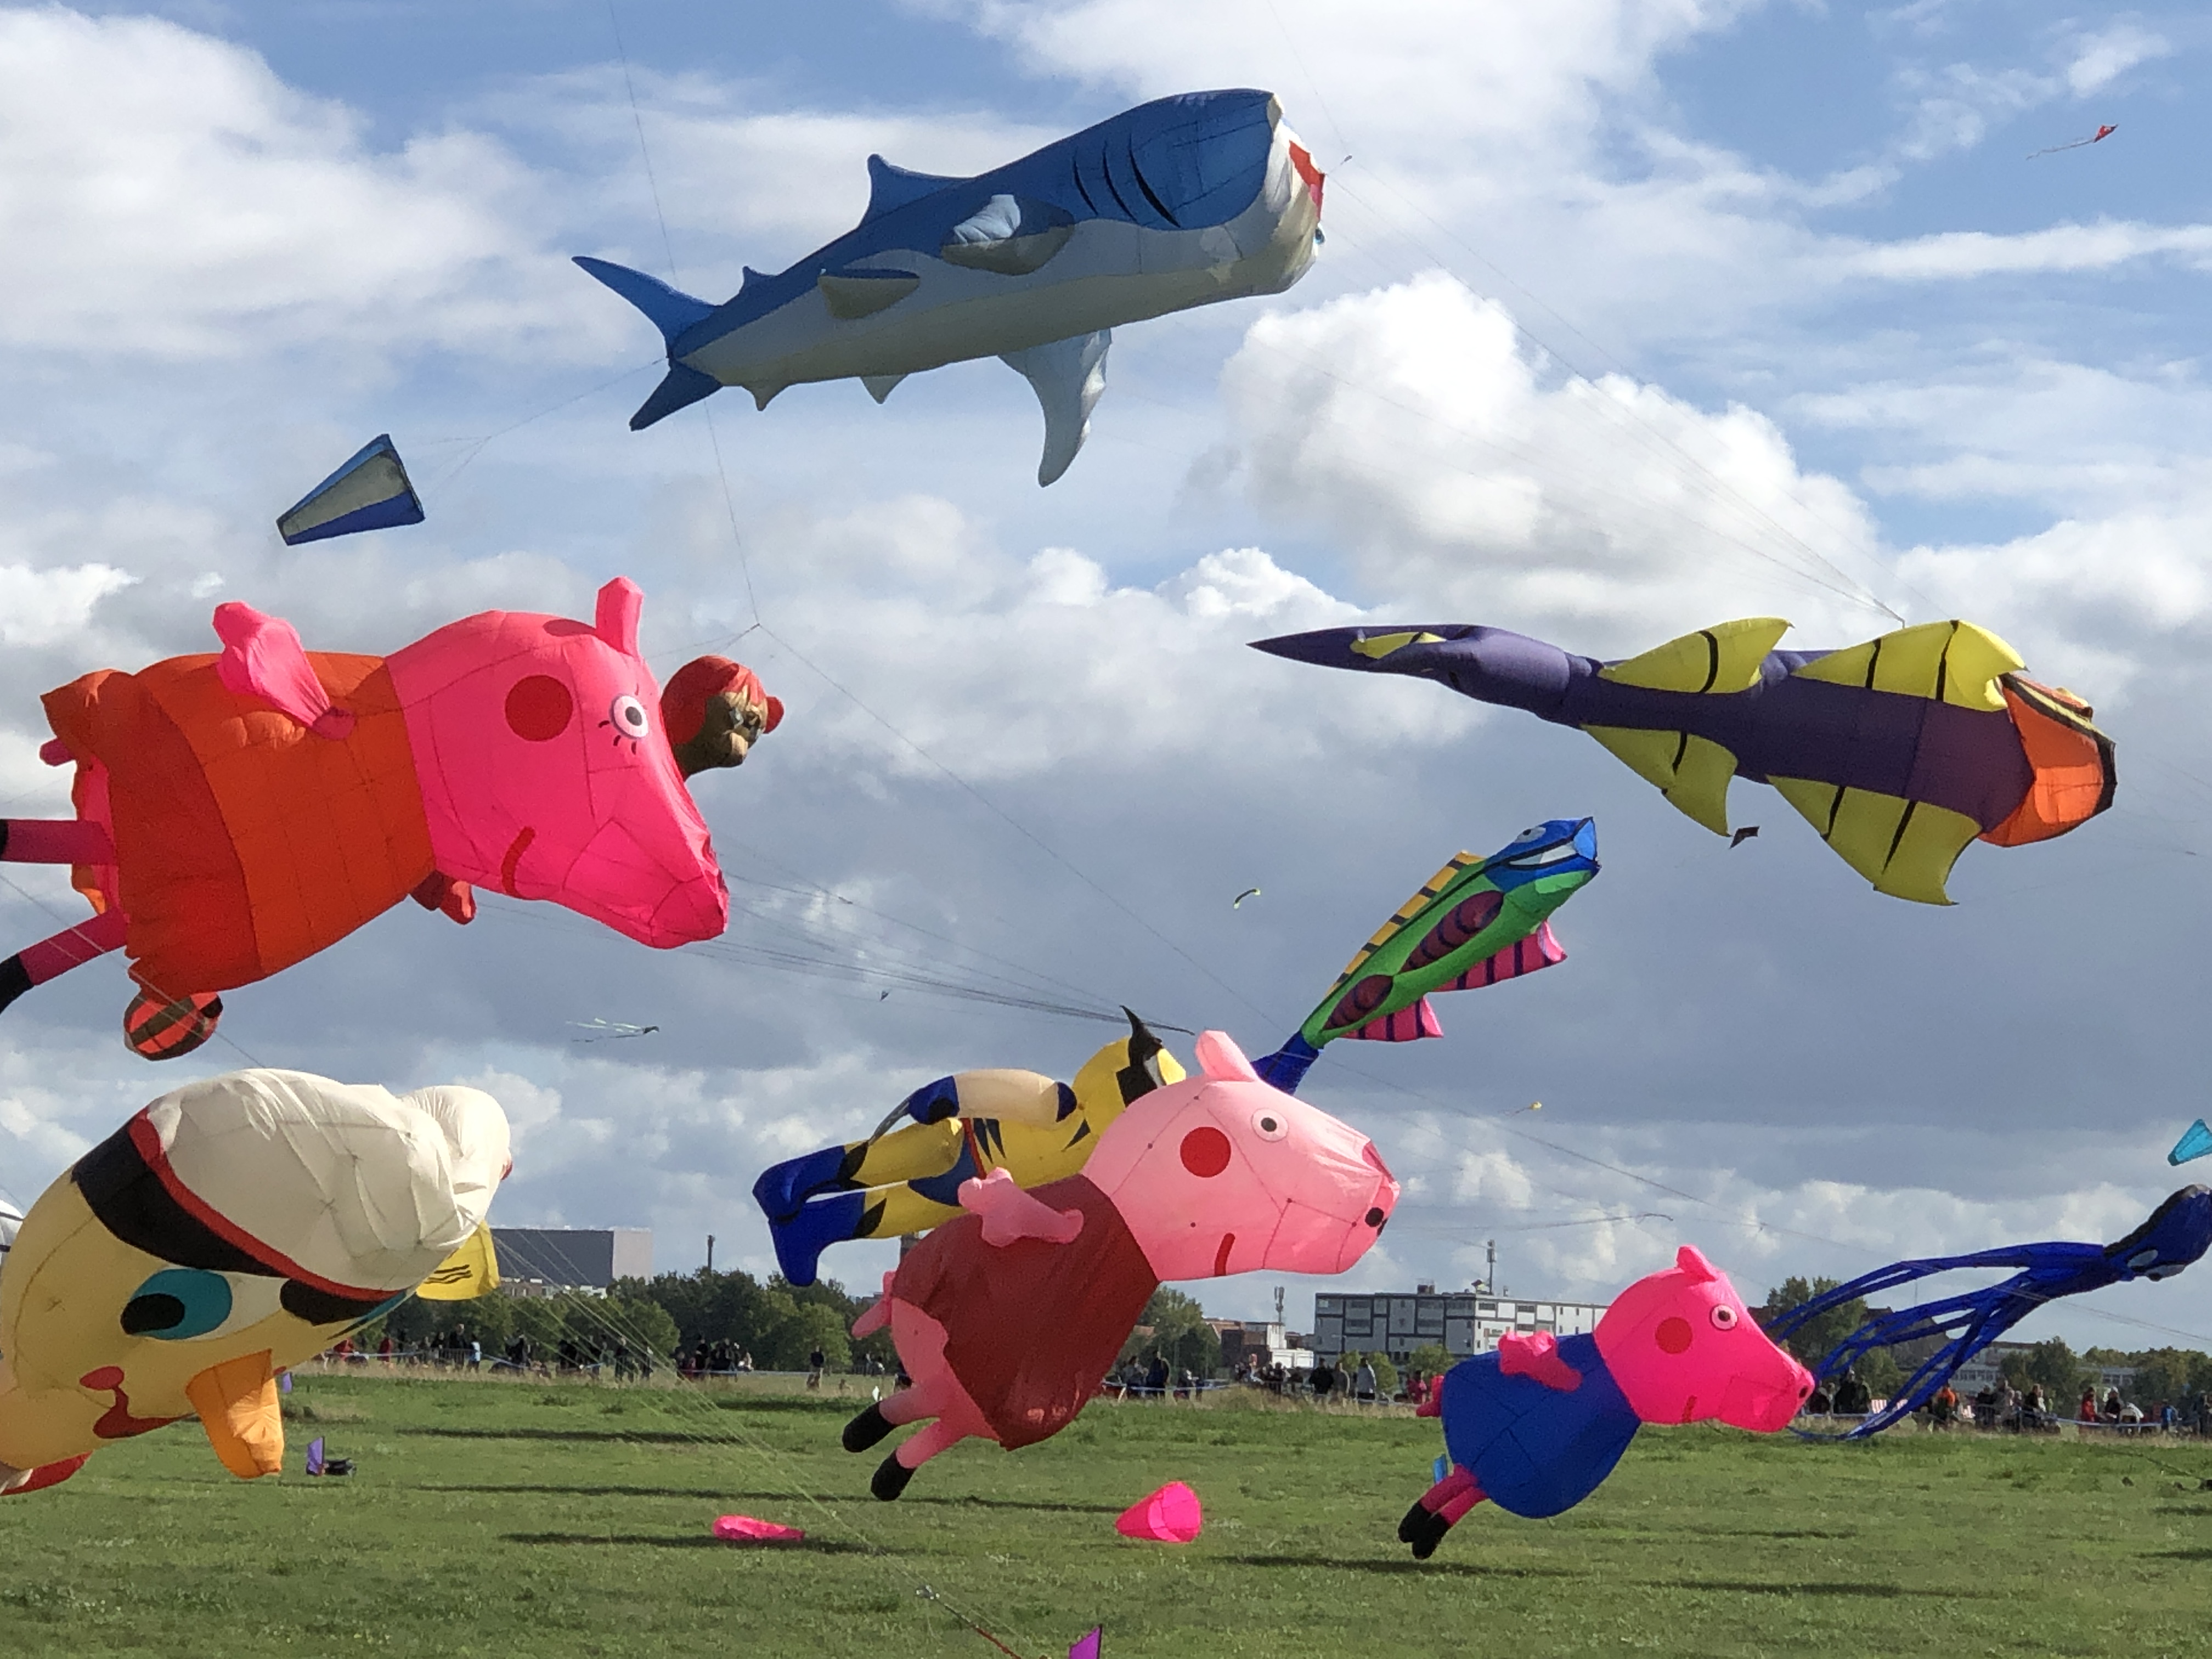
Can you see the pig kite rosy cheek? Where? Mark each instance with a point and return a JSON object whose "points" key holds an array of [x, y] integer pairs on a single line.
{"points": [[1216, 1173], [1536, 1426], [237, 812]]}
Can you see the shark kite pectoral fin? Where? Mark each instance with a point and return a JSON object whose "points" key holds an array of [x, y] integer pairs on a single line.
{"points": [[1905, 847], [881, 387], [1952, 662], [238, 1406], [1726, 657], [1069, 376], [1692, 772], [853, 294]]}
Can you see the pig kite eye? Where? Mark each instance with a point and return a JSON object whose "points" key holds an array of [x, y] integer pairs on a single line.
{"points": [[1723, 1317], [1269, 1125], [628, 717]]}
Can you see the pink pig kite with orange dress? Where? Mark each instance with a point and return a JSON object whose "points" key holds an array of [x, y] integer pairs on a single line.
{"points": [[237, 812]]}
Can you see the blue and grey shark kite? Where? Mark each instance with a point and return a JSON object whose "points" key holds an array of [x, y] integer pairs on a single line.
{"points": [[1177, 203]]}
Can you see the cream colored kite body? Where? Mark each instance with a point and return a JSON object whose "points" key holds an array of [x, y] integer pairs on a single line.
{"points": [[230, 1231]]}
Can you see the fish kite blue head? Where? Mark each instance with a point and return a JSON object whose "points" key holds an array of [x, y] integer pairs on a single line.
{"points": [[1556, 848]]}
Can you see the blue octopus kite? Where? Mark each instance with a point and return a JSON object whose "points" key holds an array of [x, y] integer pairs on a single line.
{"points": [[2179, 1232]]}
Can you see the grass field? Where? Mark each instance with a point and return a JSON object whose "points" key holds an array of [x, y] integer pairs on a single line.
{"points": [[511, 1518]]}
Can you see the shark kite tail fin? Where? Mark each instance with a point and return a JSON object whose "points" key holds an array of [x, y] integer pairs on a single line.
{"points": [[672, 311]]}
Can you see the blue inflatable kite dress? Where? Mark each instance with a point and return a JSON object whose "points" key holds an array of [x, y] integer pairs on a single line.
{"points": [[1535, 1449]]}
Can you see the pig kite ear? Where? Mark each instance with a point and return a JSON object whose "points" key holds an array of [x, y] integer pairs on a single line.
{"points": [[1223, 1060], [1692, 1260], [620, 602]]}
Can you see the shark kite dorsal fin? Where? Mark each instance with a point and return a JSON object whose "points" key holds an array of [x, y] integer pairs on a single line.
{"points": [[890, 188], [1905, 847], [1954, 662], [1069, 377], [1726, 657], [1692, 772]]}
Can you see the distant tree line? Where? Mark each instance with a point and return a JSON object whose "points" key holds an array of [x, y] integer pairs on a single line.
{"points": [[779, 1324], [2172, 1375]]}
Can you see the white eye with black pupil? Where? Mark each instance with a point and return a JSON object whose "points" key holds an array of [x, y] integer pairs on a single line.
{"points": [[1724, 1318], [1269, 1126], [629, 717]]}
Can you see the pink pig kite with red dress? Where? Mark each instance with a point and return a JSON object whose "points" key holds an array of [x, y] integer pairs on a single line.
{"points": [[1007, 1317]]}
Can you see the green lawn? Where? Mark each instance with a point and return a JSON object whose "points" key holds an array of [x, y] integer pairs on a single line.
{"points": [[510, 1518]]}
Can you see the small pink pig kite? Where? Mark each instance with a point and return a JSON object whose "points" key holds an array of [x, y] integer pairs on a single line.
{"points": [[1536, 1425], [1007, 1317]]}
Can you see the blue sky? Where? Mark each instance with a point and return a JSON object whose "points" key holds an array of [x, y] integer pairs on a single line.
{"points": [[1631, 317]]}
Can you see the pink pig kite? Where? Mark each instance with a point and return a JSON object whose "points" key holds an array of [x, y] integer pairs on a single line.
{"points": [[237, 812], [1007, 1317], [1536, 1425]]}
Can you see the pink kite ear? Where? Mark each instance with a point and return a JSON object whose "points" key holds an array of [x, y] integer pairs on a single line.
{"points": [[1692, 1260], [621, 601], [1223, 1060]]}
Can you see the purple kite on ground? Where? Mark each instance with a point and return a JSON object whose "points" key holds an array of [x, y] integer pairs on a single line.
{"points": [[1899, 752]]}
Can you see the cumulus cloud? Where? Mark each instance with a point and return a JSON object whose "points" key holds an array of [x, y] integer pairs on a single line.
{"points": [[163, 192], [1466, 479], [39, 606], [2101, 58]]}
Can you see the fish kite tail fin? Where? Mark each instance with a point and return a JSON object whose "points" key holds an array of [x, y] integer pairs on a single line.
{"points": [[1287, 1066], [672, 311]]}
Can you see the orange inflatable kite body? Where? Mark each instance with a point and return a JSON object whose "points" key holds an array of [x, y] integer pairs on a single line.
{"points": [[237, 812], [244, 841]]}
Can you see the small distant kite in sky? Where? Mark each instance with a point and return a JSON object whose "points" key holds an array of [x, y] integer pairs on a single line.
{"points": [[371, 491], [2100, 134], [2195, 1141], [1238, 903], [600, 1030]]}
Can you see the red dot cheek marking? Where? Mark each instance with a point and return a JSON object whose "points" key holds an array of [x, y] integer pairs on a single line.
{"points": [[1205, 1152], [539, 707], [1673, 1335]]}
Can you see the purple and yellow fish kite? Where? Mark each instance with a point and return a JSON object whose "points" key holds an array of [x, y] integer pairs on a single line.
{"points": [[1899, 752]]}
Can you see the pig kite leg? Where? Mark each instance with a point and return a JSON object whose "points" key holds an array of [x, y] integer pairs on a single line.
{"points": [[68, 841], [1439, 1511], [940, 1398]]}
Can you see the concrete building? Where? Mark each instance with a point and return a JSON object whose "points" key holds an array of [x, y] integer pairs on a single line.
{"points": [[540, 1260], [1462, 1321]]}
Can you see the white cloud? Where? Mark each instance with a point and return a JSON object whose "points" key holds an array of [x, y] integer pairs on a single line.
{"points": [[1469, 487], [1002, 666], [38, 607], [1956, 254], [2102, 58], [163, 192]]}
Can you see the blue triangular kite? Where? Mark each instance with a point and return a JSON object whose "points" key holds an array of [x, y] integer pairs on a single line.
{"points": [[369, 492], [2195, 1141]]}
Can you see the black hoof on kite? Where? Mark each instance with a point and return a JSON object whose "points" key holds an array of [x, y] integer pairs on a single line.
{"points": [[1424, 1529], [15, 979], [865, 1430], [890, 1479]]}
